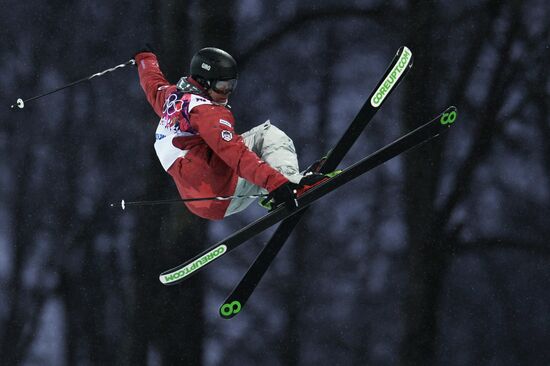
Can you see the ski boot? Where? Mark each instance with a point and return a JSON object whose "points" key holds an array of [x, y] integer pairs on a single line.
{"points": [[314, 168]]}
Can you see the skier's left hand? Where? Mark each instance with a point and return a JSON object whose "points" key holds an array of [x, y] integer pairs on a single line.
{"points": [[285, 194], [311, 179]]}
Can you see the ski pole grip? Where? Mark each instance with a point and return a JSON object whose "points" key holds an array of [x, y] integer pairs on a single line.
{"points": [[20, 104]]}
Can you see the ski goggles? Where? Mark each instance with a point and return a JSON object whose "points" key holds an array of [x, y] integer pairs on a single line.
{"points": [[223, 86]]}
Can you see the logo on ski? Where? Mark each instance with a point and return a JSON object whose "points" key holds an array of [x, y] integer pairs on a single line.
{"points": [[227, 310], [394, 75], [448, 118], [193, 266]]}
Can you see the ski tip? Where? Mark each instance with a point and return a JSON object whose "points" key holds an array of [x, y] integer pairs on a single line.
{"points": [[229, 309], [450, 109], [407, 51], [401, 63], [168, 278], [449, 116]]}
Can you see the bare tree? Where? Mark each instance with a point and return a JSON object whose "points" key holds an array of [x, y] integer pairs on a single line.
{"points": [[432, 237]]}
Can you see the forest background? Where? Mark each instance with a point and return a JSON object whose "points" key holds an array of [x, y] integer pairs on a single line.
{"points": [[439, 257]]}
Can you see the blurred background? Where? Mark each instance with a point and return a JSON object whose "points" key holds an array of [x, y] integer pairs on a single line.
{"points": [[438, 257]]}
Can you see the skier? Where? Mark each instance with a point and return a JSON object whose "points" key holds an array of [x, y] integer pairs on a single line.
{"points": [[197, 145]]}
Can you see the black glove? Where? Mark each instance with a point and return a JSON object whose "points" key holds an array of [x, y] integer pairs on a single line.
{"points": [[147, 48], [285, 194], [311, 178]]}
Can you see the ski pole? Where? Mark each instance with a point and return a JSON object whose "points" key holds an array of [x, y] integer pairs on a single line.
{"points": [[21, 103], [123, 203]]}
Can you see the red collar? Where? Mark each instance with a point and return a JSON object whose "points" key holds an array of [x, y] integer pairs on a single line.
{"points": [[196, 84]]}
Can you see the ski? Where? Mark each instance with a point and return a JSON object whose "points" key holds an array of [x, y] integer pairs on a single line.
{"points": [[395, 72], [238, 297], [416, 137]]}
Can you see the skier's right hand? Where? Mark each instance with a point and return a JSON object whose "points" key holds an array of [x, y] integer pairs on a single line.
{"points": [[286, 194]]}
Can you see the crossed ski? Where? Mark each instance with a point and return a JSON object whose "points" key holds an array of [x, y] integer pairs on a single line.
{"points": [[396, 71], [238, 297]]}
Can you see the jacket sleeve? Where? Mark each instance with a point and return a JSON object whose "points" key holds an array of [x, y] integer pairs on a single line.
{"points": [[215, 126], [153, 82]]}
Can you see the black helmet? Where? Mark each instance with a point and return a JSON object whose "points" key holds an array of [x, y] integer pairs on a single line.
{"points": [[213, 64]]}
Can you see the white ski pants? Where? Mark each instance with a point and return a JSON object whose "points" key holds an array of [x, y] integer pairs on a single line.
{"points": [[275, 148]]}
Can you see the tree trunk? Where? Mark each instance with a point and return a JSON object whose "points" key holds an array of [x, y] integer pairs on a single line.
{"points": [[426, 261]]}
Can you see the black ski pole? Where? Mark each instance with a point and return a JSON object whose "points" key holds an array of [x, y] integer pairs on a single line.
{"points": [[21, 103], [123, 203]]}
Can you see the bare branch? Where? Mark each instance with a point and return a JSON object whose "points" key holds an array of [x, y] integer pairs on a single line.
{"points": [[489, 127], [487, 18], [304, 17], [538, 248]]}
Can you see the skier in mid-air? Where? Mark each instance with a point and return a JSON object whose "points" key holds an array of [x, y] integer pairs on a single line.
{"points": [[197, 145]]}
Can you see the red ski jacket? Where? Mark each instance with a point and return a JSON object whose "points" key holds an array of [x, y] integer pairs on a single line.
{"points": [[197, 145]]}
